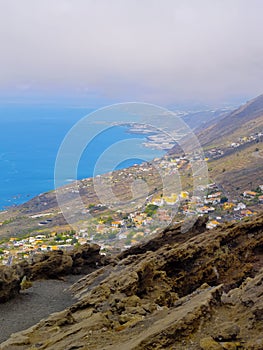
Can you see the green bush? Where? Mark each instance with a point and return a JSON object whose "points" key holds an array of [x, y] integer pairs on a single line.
{"points": [[151, 209]]}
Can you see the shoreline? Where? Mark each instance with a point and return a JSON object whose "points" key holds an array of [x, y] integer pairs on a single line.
{"points": [[10, 199]]}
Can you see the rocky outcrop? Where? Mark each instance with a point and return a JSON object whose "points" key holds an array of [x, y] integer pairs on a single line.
{"points": [[9, 283], [81, 260], [195, 290]]}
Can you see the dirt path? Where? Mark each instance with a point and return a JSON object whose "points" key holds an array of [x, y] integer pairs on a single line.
{"points": [[34, 304]]}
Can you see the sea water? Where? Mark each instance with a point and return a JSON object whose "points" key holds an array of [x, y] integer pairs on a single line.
{"points": [[30, 137]]}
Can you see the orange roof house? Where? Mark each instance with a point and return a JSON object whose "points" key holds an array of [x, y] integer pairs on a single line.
{"points": [[249, 194]]}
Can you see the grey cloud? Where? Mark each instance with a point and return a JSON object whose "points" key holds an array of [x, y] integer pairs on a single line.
{"points": [[149, 49]]}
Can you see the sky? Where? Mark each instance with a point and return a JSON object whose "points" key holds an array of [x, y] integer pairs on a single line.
{"points": [[159, 51]]}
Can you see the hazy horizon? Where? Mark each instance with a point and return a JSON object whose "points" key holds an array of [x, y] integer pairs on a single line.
{"points": [[97, 53]]}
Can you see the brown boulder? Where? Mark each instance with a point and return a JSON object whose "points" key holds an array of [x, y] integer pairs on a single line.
{"points": [[83, 259], [209, 343], [54, 265], [9, 283], [10, 280]]}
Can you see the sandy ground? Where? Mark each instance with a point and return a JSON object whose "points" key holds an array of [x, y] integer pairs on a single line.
{"points": [[34, 304]]}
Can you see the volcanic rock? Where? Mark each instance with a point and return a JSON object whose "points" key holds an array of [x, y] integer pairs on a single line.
{"points": [[53, 264], [181, 290]]}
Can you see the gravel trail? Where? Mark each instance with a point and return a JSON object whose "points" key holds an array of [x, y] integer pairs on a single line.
{"points": [[34, 304]]}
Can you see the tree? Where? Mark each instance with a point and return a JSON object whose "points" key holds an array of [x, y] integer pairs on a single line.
{"points": [[151, 209], [108, 220], [74, 240], [258, 190], [223, 199], [59, 237]]}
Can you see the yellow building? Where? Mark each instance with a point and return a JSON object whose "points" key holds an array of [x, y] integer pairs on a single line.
{"points": [[228, 205], [184, 195]]}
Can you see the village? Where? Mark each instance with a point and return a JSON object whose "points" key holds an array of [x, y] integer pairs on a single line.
{"points": [[233, 146], [119, 230]]}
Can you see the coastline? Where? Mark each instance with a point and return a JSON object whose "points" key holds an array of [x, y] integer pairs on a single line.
{"points": [[25, 189]]}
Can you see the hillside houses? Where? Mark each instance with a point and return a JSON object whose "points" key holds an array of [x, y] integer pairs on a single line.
{"points": [[111, 229], [240, 206], [249, 194], [217, 152]]}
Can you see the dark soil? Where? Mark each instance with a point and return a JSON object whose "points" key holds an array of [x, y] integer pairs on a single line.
{"points": [[34, 304]]}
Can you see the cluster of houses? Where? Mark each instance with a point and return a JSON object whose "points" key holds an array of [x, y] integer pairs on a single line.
{"points": [[16, 249], [253, 194], [217, 152], [247, 139], [176, 206], [125, 229]]}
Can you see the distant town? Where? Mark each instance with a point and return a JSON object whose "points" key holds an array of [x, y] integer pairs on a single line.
{"points": [[242, 141], [121, 229]]}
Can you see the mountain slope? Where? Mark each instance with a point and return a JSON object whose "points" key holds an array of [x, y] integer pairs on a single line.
{"points": [[239, 171], [237, 142], [202, 119], [246, 119]]}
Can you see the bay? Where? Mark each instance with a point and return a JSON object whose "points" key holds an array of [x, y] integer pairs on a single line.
{"points": [[30, 137]]}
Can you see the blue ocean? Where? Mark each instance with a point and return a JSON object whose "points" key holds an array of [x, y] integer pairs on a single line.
{"points": [[30, 137]]}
